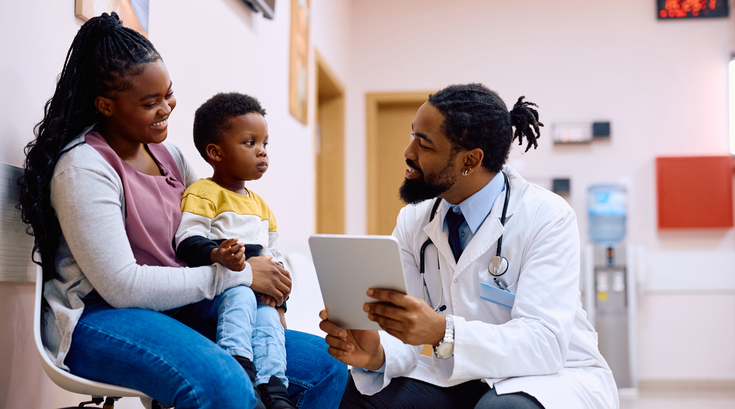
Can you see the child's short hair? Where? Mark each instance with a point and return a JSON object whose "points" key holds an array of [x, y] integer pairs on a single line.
{"points": [[213, 117]]}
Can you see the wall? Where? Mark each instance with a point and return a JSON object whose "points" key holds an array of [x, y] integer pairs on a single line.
{"points": [[663, 86], [219, 47]]}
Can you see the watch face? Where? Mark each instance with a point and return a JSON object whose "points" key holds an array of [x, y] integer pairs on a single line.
{"points": [[445, 350]]}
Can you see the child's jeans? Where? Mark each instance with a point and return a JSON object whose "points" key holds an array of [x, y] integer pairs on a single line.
{"points": [[246, 328]]}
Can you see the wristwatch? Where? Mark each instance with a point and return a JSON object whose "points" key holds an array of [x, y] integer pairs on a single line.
{"points": [[445, 349]]}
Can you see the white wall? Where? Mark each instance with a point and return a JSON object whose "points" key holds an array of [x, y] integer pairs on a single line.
{"points": [[663, 87]]}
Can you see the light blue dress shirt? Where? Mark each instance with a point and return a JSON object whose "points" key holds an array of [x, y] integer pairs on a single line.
{"points": [[475, 209]]}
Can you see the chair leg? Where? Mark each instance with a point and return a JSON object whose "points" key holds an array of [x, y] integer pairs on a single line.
{"points": [[109, 403], [93, 401]]}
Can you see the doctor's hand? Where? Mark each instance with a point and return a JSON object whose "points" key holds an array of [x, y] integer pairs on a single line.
{"points": [[405, 317], [359, 348]]}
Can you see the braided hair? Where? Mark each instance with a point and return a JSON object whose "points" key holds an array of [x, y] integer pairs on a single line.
{"points": [[476, 117], [100, 62]]}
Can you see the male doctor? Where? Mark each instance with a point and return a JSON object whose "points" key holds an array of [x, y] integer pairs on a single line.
{"points": [[508, 329]]}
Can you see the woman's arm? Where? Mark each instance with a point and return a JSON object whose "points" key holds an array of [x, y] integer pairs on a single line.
{"points": [[88, 201]]}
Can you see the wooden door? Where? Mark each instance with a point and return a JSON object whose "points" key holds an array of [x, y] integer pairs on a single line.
{"points": [[389, 119]]}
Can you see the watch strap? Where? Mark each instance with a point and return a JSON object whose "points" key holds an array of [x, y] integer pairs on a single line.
{"points": [[448, 337]]}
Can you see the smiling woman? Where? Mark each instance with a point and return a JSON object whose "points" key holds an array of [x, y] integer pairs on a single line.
{"points": [[138, 115]]}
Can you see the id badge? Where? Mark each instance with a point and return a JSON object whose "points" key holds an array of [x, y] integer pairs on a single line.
{"points": [[495, 295]]}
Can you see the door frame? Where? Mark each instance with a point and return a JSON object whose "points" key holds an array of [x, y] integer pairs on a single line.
{"points": [[330, 96]]}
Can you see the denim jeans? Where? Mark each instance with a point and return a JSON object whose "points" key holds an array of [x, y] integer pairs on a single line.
{"points": [[175, 364], [245, 328]]}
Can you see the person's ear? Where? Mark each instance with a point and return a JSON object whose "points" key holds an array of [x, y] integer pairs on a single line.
{"points": [[104, 105], [214, 153], [473, 158]]}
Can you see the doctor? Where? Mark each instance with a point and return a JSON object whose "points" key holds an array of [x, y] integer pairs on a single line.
{"points": [[508, 329]]}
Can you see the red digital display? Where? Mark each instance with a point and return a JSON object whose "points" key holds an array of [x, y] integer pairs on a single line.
{"points": [[677, 9]]}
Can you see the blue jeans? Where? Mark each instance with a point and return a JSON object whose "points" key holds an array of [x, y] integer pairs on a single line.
{"points": [[175, 364], [245, 328]]}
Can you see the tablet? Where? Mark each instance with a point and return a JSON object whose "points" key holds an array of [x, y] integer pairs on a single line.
{"points": [[347, 266]]}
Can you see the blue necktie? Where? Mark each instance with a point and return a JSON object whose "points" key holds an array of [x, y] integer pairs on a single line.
{"points": [[454, 220]]}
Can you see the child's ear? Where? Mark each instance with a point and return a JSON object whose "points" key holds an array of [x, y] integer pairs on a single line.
{"points": [[213, 152], [104, 105]]}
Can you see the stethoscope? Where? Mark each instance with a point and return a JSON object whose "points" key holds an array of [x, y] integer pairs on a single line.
{"points": [[498, 265]]}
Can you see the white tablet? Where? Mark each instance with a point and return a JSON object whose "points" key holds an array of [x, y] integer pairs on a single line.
{"points": [[347, 266]]}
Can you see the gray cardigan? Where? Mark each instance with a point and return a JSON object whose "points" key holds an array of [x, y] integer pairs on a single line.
{"points": [[94, 252]]}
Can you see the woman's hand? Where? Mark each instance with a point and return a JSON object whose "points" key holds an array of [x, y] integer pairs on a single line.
{"points": [[270, 278], [360, 348], [230, 254]]}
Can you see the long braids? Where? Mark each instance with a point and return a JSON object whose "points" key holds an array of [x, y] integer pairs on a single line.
{"points": [[476, 117], [100, 61]]}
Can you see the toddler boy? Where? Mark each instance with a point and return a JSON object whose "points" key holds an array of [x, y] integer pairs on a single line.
{"points": [[224, 222]]}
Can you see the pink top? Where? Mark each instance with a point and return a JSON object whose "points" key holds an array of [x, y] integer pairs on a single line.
{"points": [[152, 203]]}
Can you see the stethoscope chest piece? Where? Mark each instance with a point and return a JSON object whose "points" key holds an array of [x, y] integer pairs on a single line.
{"points": [[498, 266]]}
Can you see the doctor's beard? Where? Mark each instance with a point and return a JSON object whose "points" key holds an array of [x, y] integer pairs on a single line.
{"points": [[414, 191]]}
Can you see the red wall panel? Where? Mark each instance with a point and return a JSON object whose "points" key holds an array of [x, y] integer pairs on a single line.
{"points": [[694, 192]]}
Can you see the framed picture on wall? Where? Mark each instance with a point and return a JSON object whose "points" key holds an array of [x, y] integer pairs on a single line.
{"points": [[298, 72], [133, 13]]}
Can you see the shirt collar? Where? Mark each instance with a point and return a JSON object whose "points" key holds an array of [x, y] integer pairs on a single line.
{"points": [[477, 207]]}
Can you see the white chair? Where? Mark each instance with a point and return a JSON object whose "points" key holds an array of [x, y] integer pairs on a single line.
{"points": [[67, 380]]}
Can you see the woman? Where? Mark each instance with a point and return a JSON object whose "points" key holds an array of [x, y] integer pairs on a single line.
{"points": [[101, 192]]}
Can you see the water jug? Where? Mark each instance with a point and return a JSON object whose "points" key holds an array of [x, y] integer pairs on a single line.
{"points": [[606, 206]]}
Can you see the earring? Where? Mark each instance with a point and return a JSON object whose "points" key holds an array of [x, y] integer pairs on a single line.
{"points": [[466, 172]]}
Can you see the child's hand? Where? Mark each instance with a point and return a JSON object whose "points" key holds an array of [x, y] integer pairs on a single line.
{"points": [[230, 254], [267, 299]]}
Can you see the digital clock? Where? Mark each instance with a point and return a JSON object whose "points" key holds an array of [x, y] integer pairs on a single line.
{"points": [[678, 9]]}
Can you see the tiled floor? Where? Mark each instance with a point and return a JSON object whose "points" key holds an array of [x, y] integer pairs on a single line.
{"points": [[679, 398]]}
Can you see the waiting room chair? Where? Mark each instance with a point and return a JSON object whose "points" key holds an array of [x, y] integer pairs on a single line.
{"points": [[69, 381]]}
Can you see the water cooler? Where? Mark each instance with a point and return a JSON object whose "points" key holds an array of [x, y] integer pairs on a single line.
{"points": [[608, 282]]}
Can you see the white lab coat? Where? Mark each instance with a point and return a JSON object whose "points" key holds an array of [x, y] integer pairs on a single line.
{"points": [[544, 346]]}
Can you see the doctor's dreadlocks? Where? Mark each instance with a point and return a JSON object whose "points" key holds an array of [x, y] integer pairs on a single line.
{"points": [[476, 117], [101, 60]]}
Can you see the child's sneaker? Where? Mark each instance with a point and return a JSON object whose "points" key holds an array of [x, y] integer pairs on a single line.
{"points": [[249, 368], [275, 395]]}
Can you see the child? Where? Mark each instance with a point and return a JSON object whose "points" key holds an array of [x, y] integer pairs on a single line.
{"points": [[224, 222]]}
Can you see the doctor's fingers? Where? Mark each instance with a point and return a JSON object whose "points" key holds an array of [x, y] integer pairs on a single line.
{"points": [[338, 346], [331, 329], [386, 323], [390, 296]]}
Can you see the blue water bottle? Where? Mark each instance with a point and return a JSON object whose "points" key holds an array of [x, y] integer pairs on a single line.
{"points": [[606, 206]]}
